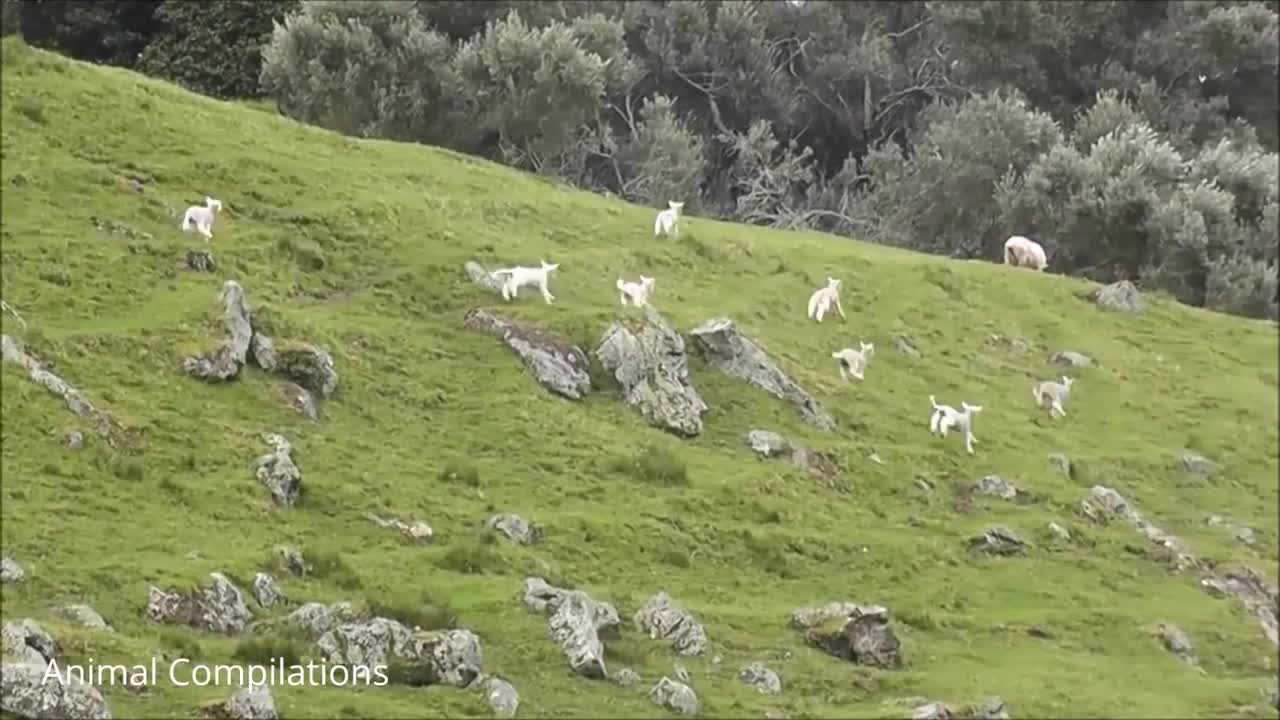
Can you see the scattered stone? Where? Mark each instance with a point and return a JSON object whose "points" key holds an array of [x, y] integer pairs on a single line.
{"points": [[201, 261], [74, 440], [482, 277], [559, 366], [1258, 596], [767, 443], [309, 366], [75, 401], [290, 559], [865, 638], [86, 616], [11, 571], [316, 619], [277, 472], [1070, 359], [25, 693], [770, 444], [1061, 462], [1120, 296], [250, 703], [651, 365], [724, 348], [515, 528], [931, 711], [262, 351], [1115, 504], [266, 590], [1197, 465], [414, 530], [662, 617], [998, 540], [577, 623], [626, 677], [502, 696], [1239, 532], [995, 486], [1059, 531], [225, 363], [450, 658], [675, 696], [905, 347], [761, 678], [1176, 642], [219, 608]]}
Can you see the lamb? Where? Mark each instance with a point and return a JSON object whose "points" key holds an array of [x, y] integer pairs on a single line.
{"points": [[667, 220], [945, 417], [637, 293], [1023, 252], [1055, 393], [200, 219], [518, 277], [854, 362], [821, 299]]}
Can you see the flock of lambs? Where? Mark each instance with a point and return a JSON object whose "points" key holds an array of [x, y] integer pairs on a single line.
{"points": [[1018, 251]]}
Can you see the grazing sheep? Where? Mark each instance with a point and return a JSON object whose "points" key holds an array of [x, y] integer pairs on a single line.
{"points": [[854, 362], [1023, 252], [200, 219], [637, 293], [945, 417], [518, 277], [667, 220], [822, 298], [1055, 393]]}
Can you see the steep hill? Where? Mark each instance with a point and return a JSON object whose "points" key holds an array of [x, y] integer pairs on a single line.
{"points": [[358, 246]]}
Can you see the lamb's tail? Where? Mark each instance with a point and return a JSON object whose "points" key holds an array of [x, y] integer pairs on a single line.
{"points": [[933, 402], [835, 355]]}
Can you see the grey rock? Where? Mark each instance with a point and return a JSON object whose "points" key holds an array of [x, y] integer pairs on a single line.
{"points": [[767, 443], [1120, 296], [302, 400], [263, 352], [724, 348], [289, 559], [771, 445], [1059, 531], [540, 596], [516, 528], [1061, 462], [662, 617], [931, 711], [478, 275], [278, 473], [456, 658], [806, 618], [74, 440], [1238, 532], [864, 639], [1176, 642], [761, 678], [1260, 598], [992, 708], [416, 531], [559, 366], [218, 608], [26, 694], [626, 677], [372, 642], [26, 642], [266, 590], [86, 616], [651, 365], [573, 625], [11, 571], [225, 363], [675, 696], [251, 703], [201, 261], [75, 401], [309, 366], [1070, 359], [998, 540], [996, 486], [682, 674], [316, 619], [502, 697], [1114, 503], [1198, 465]]}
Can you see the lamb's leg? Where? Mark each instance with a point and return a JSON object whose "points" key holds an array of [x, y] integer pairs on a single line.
{"points": [[968, 444], [547, 297], [838, 308], [622, 298]]}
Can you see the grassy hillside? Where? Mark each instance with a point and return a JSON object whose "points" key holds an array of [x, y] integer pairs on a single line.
{"points": [[358, 246]]}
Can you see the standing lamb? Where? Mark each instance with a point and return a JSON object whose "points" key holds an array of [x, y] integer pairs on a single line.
{"points": [[667, 221], [518, 277], [1054, 394], [200, 219], [637, 293], [1024, 252], [822, 298]]}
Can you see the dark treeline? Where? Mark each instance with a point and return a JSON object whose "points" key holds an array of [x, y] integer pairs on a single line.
{"points": [[1132, 139]]}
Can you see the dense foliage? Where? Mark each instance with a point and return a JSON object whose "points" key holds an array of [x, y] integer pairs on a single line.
{"points": [[1132, 139]]}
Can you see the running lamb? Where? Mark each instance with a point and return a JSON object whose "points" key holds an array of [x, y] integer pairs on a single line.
{"points": [[1055, 393], [518, 277], [200, 219], [854, 362], [821, 299], [945, 417], [637, 293], [667, 220]]}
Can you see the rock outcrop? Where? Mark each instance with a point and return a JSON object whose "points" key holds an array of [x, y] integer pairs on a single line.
{"points": [[720, 344], [309, 366], [864, 637], [998, 540], [515, 528], [26, 642], [316, 619], [651, 365], [12, 352], [1116, 505], [761, 678], [1259, 597], [278, 473], [266, 591], [225, 363], [1119, 296], [995, 486], [218, 608], [769, 444], [559, 366], [675, 696], [662, 618], [451, 657], [576, 622], [25, 693]]}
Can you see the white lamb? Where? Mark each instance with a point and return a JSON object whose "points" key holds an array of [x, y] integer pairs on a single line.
{"points": [[1055, 393], [945, 417], [637, 293], [518, 277], [200, 219], [667, 221], [1024, 252], [822, 298], [854, 362]]}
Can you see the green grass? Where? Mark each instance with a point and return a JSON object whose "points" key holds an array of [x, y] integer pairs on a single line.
{"points": [[358, 245]]}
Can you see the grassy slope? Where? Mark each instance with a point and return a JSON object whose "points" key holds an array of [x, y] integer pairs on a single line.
{"points": [[741, 546]]}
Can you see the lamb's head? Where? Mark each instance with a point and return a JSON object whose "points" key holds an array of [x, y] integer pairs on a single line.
{"points": [[548, 267], [675, 206], [970, 409], [868, 348], [1067, 382], [214, 205], [646, 282], [833, 283]]}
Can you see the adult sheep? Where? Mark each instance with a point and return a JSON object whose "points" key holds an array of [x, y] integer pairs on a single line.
{"points": [[1024, 252]]}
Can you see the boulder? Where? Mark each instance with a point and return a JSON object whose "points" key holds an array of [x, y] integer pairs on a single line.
{"points": [[515, 528], [11, 571], [576, 622], [201, 261], [225, 362], [251, 703], [74, 440], [451, 658], [761, 678], [998, 540], [26, 642], [1198, 465], [277, 472], [995, 486], [1119, 296], [1070, 359], [932, 711], [661, 617], [25, 693], [651, 366], [85, 616], [720, 344], [558, 365], [502, 697], [309, 366], [767, 443], [864, 638], [675, 696], [266, 591], [218, 608], [316, 619], [262, 351]]}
